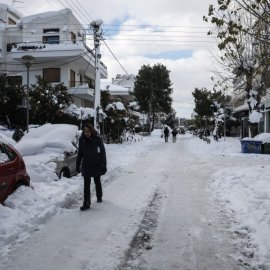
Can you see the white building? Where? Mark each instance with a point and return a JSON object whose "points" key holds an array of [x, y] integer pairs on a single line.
{"points": [[54, 45], [126, 81], [117, 92]]}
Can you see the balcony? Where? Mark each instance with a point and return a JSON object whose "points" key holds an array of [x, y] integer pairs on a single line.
{"points": [[83, 92], [41, 51], [67, 51]]}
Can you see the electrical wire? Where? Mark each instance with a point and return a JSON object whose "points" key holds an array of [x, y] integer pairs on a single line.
{"points": [[115, 57], [106, 46]]}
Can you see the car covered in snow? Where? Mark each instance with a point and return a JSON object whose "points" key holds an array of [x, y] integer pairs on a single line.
{"points": [[54, 144], [66, 166]]}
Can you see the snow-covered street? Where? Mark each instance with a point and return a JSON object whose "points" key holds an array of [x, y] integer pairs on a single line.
{"points": [[159, 212]]}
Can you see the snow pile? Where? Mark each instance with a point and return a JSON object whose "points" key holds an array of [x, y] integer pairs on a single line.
{"points": [[246, 192], [264, 137], [255, 117], [4, 138], [228, 146], [39, 140]]}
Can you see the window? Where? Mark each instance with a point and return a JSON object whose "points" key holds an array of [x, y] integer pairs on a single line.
{"points": [[6, 154], [9, 152], [51, 30], [51, 39], [72, 78], [11, 21], [51, 75]]}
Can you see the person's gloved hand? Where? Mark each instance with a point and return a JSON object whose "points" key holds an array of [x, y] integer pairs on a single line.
{"points": [[78, 169], [103, 168]]}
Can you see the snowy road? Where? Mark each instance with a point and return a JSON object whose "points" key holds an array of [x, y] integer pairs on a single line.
{"points": [[156, 215]]}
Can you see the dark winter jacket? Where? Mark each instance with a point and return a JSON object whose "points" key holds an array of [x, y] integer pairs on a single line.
{"points": [[91, 156], [166, 132], [174, 132]]}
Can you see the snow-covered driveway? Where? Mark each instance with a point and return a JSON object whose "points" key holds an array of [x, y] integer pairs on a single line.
{"points": [[156, 215]]}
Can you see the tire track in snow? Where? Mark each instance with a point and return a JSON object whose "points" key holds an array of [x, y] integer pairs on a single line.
{"points": [[142, 239]]}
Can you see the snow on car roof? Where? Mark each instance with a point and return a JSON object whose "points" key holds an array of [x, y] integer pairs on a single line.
{"points": [[48, 138], [6, 139]]}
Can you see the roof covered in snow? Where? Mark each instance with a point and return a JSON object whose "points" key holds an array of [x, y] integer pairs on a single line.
{"points": [[43, 15]]}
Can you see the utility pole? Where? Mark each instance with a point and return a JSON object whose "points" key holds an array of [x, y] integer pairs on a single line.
{"points": [[96, 27], [224, 122]]}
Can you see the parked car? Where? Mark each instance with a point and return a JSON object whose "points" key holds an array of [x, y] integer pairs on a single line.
{"points": [[67, 167], [12, 170], [53, 143]]}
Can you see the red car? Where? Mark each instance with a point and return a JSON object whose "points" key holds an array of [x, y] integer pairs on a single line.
{"points": [[12, 171]]}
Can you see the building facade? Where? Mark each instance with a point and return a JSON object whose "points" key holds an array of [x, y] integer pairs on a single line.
{"points": [[51, 45]]}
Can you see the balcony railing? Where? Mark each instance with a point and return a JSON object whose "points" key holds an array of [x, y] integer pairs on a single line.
{"points": [[40, 46]]}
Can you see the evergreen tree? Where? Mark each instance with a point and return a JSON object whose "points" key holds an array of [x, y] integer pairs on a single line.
{"points": [[171, 119], [47, 102], [210, 108], [153, 91], [114, 123], [203, 102], [105, 98], [11, 95]]}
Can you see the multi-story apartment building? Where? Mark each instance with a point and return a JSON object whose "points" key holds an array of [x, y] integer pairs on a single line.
{"points": [[51, 45]]}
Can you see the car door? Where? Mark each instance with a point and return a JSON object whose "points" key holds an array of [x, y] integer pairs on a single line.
{"points": [[7, 172]]}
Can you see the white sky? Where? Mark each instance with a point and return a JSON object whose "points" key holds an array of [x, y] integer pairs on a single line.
{"points": [[181, 26], [242, 188]]}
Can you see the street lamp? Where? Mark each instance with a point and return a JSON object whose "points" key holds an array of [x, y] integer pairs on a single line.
{"points": [[27, 60]]}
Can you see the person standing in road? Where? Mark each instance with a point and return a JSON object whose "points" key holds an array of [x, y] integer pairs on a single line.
{"points": [[174, 133], [91, 162], [166, 134]]}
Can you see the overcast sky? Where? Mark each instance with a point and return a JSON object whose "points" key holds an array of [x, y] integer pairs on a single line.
{"points": [[143, 32]]}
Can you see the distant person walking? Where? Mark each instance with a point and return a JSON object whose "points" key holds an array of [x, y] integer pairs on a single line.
{"points": [[166, 134], [174, 133], [91, 162]]}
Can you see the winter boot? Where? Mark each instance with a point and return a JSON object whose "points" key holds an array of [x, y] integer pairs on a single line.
{"points": [[85, 206]]}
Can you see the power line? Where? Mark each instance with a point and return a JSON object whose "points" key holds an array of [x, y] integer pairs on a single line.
{"points": [[103, 41], [158, 26], [70, 7], [162, 40], [121, 29], [155, 35], [115, 57], [84, 10]]}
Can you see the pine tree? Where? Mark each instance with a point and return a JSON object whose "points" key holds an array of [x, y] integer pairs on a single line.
{"points": [[153, 91], [11, 95]]}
